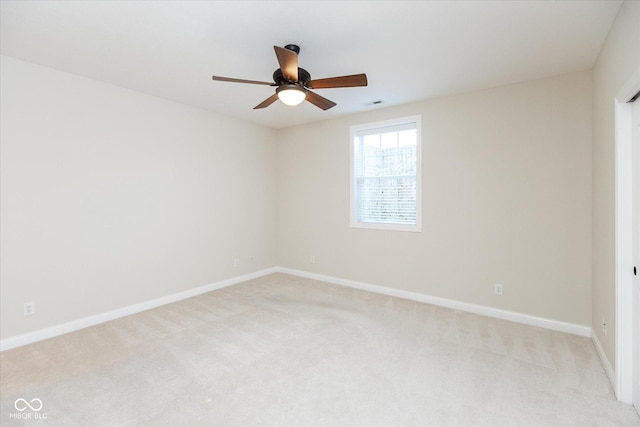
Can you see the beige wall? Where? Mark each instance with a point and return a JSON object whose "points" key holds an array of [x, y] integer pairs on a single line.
{"points": [[506, 199], [111, 197], [618, 60]]}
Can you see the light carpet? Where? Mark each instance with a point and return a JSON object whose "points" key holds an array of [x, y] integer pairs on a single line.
{"points": [[286, 351]]}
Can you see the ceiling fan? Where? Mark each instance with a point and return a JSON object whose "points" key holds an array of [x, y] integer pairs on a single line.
{"points": [[293, 83]]}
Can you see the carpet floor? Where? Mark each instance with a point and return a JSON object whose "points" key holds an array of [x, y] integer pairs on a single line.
{"points": [[287, 351]]}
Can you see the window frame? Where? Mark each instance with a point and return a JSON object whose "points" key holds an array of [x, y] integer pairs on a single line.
{"points": [[353, 223]]}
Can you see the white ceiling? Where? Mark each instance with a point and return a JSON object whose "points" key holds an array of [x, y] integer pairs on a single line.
{"points": [[410, 50]]}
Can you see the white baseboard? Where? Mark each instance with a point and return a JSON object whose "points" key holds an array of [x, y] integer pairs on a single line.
{"points": [[53, 331], [555, 325], [605, 361], [74, 325]]}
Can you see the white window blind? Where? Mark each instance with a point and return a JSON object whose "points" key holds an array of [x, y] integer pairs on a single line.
{"points": [[385, 174]]}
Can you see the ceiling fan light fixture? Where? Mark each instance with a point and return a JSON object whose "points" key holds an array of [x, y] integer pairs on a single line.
{"points": [[291, 94], [294, 85]]}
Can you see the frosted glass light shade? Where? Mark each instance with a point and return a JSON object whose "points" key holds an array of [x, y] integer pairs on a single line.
{"points": [[291, 94]]}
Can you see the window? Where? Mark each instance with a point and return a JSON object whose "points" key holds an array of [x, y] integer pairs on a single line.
{"points": [[385, 175]]}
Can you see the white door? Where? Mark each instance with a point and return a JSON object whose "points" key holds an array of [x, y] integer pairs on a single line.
{"points": [[636, 254]]}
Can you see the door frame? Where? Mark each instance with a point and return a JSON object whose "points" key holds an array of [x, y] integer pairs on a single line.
{"points": [[623, 226]]}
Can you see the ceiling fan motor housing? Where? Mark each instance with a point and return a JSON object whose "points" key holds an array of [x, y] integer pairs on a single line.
{"points": [[303, 77]]}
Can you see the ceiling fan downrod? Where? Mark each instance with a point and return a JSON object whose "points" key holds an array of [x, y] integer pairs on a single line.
{"points": [[293, 47]]}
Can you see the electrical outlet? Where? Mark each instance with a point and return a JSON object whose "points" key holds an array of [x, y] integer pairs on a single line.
{"points": [[312, 259], [236, 262], [29, 308], [497, 289]]}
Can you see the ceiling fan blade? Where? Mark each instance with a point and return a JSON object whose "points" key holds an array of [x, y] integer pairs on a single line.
{"points": [[288, 61], [319, 101], [270, 100], [254, 82], [342, 81]]}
